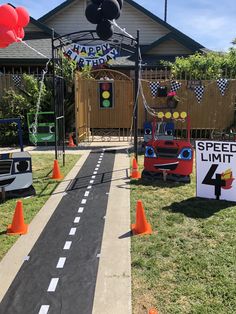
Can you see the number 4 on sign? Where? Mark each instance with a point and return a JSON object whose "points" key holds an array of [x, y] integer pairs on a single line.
{"points": [[217, 182]]}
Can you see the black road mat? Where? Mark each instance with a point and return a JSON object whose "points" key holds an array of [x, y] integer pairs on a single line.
{"points": [[60, 273]]}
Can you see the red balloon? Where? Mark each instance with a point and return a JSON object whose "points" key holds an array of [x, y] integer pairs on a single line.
{"points": [[19, 32], [4, 45], [23, 17], [8, 16], [7, 36]]}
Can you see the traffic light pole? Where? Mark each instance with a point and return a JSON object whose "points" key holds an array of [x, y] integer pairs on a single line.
{"points": [[137, 60]]}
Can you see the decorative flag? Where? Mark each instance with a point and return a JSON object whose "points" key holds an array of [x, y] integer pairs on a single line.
{"points": [[222, 85], [16, 79], [199, 91], [154, 88], [175, 86]]}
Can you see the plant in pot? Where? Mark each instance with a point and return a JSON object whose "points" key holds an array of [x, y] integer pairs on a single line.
{"points": [[172, 100]]}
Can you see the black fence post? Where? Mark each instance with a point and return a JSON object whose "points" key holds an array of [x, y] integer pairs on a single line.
{"points": [[137, 60]]}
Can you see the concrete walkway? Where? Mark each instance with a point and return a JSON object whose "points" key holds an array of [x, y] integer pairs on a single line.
{"points": [[113, 288]]}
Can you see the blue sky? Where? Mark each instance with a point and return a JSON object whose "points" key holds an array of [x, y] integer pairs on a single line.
{"points": [[212, 23]]}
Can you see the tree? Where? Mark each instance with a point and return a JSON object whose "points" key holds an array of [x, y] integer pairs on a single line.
{"points": [[211, 65]]}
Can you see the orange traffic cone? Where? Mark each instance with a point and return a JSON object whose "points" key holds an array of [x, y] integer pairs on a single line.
{"points": [[56, 174], [141, 226], [153, 311], [135, 173], [18, 225], [71, 142]]}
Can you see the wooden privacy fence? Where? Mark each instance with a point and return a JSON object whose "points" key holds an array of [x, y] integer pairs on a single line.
{"points": [[91, 119], [6, 82], [213, 112]]}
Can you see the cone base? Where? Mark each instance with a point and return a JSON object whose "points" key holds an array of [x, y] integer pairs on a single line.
{"points": [[135, 175], [147, 231], [23, 230], [71, 145], [57, 178]]}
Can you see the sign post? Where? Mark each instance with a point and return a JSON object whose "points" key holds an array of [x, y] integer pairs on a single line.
{"points": [[215, 168]]}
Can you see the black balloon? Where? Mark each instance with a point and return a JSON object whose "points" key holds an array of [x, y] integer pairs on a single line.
{"points": [[110, 9], [120, 3], [99, 1], [105, 30], [93, 13]]}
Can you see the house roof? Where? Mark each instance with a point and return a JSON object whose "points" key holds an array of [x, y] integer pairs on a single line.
{"points": [[179, 36]]}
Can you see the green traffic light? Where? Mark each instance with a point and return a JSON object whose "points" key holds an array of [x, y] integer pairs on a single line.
{"points": [[106, 103]]}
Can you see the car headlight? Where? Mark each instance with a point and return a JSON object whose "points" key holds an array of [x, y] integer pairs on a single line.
{"points": [[185, 154], [149, 152], [51, 129], [147, 131], [22, 166]]}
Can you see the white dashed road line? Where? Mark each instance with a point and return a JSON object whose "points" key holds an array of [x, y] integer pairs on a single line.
{"points": [[72, 231], [81, 209], [44, 309], [67, 245], [61, 262], [76, 220], [53, 284]]}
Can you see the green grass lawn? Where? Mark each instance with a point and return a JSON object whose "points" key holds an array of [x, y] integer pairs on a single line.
{"points": [[188, 264], [44, 186]]}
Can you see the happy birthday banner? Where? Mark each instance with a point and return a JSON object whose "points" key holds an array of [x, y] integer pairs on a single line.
{"points": [[91, 56]]}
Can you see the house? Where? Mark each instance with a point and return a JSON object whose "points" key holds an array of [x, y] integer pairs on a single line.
{"points": [[158, 39]]}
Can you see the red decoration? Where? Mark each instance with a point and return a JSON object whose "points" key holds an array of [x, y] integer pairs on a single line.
{"points": [[23, 17], [12, 21], [4, 45], [20, 33], [8, 16], [7, 36]]}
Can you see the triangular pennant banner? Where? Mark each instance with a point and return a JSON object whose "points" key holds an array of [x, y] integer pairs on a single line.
{"points": [[222, 85], [199, 91], [175, 86], [154, 88]]}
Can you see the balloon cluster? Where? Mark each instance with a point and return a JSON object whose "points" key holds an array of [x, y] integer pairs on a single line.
{"points": [[101, 12], [12, 21]]}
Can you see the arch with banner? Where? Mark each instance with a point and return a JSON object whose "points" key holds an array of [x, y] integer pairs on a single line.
{"points": [[87, 50]]}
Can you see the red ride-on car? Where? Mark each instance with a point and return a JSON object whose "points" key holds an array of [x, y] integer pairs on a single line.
{"points": [[167, 156]]}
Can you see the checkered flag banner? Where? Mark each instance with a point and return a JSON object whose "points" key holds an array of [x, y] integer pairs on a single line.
{"points": [[16, 79], [222, 85], [175, 86], [199, 91], [154, 88]]}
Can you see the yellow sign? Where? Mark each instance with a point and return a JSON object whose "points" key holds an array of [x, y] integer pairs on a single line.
{"points": [[160, 115], [176, 115], [168, 115], [183, 115]]}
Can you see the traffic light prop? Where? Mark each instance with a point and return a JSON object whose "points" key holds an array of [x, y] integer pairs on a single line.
{"points": [[106, 95]]}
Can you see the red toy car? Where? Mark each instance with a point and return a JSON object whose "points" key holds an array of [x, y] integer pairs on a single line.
{"points": [[167, 157]]}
